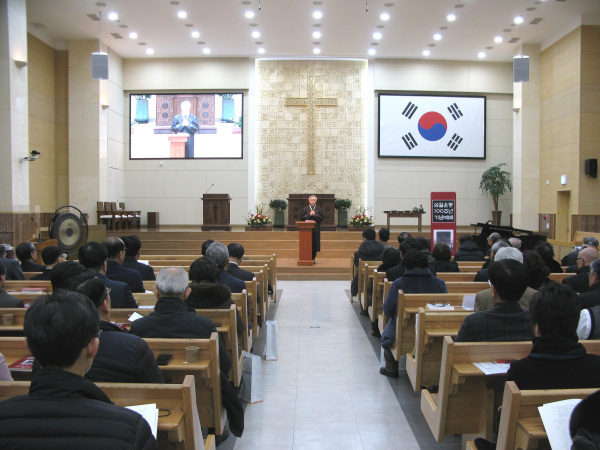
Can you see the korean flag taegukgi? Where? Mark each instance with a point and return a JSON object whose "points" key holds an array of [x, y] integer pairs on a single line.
{"points": [[428, 126]]}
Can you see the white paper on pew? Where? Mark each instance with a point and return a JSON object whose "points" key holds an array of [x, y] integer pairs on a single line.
{"points": [[135, 316], [145, 307], [492, 368], [439, 307], [148, 292], [144, 261], [469, 302], [556, 417], [148, 412]]}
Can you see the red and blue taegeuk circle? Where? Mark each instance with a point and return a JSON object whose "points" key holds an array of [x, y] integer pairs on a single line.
{"points": [[432, 126]]}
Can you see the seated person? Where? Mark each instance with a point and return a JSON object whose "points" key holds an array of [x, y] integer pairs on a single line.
{"points": [[441, 259], [483, 299], [591, 298], [546, 251], [482, 275], [491, 240], [397, 271], [206, 293], [538, 272], [571, 258], [402, 237], [172, 318], [27, 254], [515, 242], [580, 282], [121, 357], [7, 300], [369, 250], [390, 258], [51, 256], [69, 274], [236, 256], [63, 409], [506, 321], [417, 279], [557, 360], [205, 246], [219, 254], [133, 251], [115, 256], [425, 247], [468, 250], [583, 425], [4, 371], [13, 268], [383, 236]]}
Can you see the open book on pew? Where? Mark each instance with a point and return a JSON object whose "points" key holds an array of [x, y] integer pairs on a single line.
{"points": [[148, 412], [556, 417], [22, 365]]}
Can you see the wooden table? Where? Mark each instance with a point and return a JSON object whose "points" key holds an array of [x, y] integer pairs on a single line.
{"points": [[404, 214]]}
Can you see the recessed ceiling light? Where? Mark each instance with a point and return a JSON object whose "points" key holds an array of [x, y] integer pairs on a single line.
{"points": [[481, 54], [182, 14], [459, 6], [317, 3], [519, 19], [255, 34], [206, 50], [195, 34], [489, 48], [426, 52], [431, 45], [451, 17], [316, 51], [437, 36], [507, 30], [113, 16], [372, 51], [377, 35], [532, 8], [150, 51], [133, 35], [317, 25], [498, 39], [316, 34], [249, 14], [261, 50], [384, 16], [317, 14]]}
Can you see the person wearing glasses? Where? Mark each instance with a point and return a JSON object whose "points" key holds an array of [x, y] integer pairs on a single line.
{"points": [[580, 282], [63, 409]]}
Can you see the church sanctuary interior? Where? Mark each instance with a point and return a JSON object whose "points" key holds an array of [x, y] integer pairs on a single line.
{"points": [[183, 121]]}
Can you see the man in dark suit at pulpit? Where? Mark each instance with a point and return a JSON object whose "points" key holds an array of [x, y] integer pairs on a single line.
{"points": [[313, 212], [186, 123]]}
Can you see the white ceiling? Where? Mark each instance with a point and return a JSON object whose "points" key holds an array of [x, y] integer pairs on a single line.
{"points": [[286, 26]]}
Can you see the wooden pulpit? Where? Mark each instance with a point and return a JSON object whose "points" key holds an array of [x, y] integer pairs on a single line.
{"points": [[297, 202], [305, 242], [177, 145], [216, 212]]}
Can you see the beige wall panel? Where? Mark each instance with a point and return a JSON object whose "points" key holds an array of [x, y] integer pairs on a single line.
{"points": [[590, 127], [560, 132], [41, 77], [590, 40], [560, 78], [589, 200], [568, 45], [564, 104], [590, 97]]}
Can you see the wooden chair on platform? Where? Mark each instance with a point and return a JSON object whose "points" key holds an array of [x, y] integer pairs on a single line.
{"points": [[103, 216], [133, 216]]}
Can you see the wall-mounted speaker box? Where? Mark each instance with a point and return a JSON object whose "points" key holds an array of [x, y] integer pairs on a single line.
{"points": [[100, 66], [520, 69], [591, 167]]}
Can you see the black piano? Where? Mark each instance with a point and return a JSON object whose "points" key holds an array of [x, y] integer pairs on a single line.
{"points": [[528, 238]]}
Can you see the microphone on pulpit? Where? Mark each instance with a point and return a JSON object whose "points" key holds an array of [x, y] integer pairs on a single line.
{"points": [[306, 189], [38, 228], [315, 186], [209, 188]]}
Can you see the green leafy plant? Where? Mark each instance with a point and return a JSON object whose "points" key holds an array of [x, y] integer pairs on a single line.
{"points": [[342, 204], [226, 96], [495, 182], [278, 204]]}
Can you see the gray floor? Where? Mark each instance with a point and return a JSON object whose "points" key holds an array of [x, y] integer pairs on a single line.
{"points": [[325, 391]]}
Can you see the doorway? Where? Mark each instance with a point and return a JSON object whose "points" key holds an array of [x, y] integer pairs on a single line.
{"points": [[563, 216]]}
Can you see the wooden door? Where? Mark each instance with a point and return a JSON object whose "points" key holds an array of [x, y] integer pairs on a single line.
{"points": [[563, 215]]}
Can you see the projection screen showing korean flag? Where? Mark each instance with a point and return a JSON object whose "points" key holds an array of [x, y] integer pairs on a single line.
{"points": [[428, 126]]}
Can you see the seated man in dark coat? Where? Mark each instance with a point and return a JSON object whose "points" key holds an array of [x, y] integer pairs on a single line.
{"points": [[27, 254], [369, 250], [441, 259], [417, 279], [51, 256], [122, 357], [236, 256], [482, 275], [391, 258], [133, 251], [397, 271], [383, 235], [506, 321], [173, 318], [93, 256], [571, 258], [583, 425], [592, 297], [63, 409], [115, 256], [7, 300], [13, 268], [220, 255], [546, 251], [580, 282], [468, 250]]}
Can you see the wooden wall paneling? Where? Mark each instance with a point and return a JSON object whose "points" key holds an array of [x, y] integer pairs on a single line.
{"points": [[589, 223]]}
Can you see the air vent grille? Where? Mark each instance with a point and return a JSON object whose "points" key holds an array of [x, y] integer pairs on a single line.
{"points": [[94, 17], [116, 35], [513, 40], [536, 21]]}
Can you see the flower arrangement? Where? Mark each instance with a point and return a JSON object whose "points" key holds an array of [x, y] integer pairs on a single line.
{"points": [[259, 219], [361, 218]]}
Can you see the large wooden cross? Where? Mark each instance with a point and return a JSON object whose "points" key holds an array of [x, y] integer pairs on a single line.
{"points": [[311, 102]]}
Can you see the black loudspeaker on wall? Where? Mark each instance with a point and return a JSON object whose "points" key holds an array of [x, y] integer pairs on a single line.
{"points": [[591, 167], [520, 69], [100, 66]]}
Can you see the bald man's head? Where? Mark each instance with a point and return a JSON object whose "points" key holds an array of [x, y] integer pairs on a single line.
{"points": [[586, 256]]}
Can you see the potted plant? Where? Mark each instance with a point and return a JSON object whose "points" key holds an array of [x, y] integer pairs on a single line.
{"points": [[279, 205], [258, 221], [494, 183], [361, 220], [227, 108], [342, 205]]}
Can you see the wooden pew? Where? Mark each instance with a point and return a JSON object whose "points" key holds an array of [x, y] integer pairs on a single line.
{"points": [[18, 285], [362, 279], [423, 369], [381, 318], [375, 309], [367, 285], [454, 276], [262, 287], [560, 276], [30, 275], [181, 427], [353, 268], [272, 269], [467, 398], [16, 329], [252, 290], [466, 287], [241, 302]]}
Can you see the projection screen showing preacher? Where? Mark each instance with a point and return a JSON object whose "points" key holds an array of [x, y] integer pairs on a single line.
{"points": [[428, 126], [186, 126]]}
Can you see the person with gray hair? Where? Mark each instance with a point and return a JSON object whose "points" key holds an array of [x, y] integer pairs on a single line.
{"points": [[483, 299], [580, 282], [571, 259], [591, 298], [185, 122], [173, 318], [218, 253], [515, 242], [491, 240], [482, 275]]}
